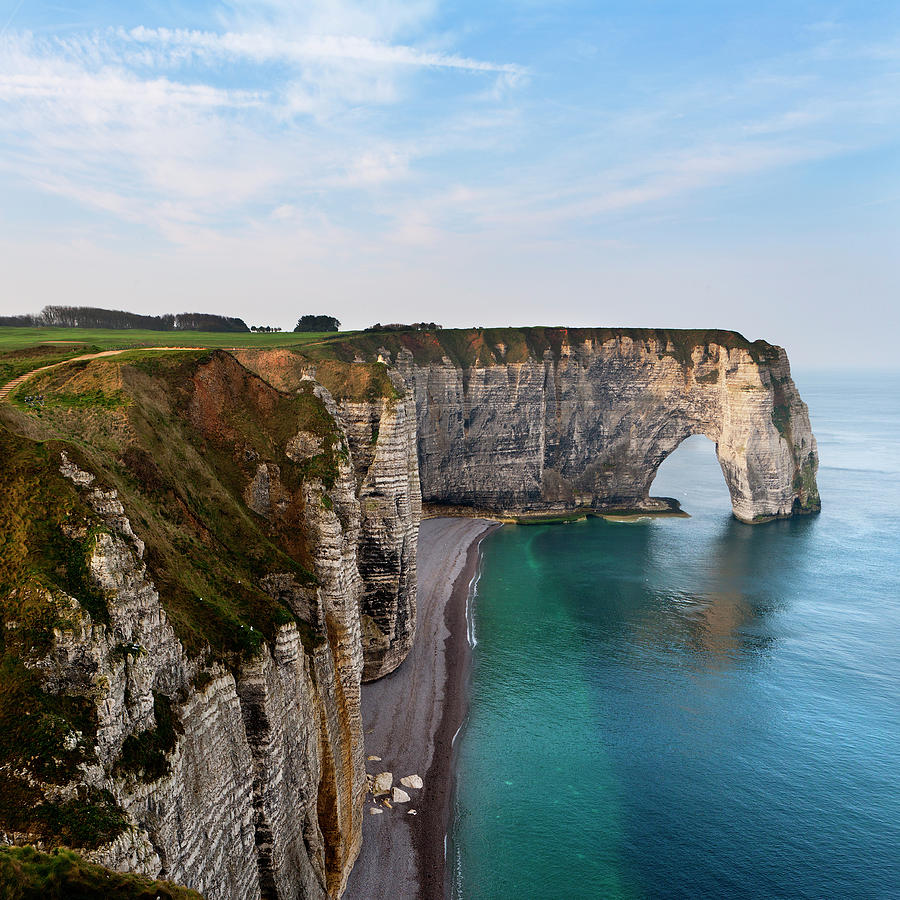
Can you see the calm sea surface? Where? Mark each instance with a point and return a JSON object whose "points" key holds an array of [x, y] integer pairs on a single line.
{"points": [[694, 707]]}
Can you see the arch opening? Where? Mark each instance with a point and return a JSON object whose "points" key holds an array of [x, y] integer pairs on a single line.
{"points": [[691, 474]]}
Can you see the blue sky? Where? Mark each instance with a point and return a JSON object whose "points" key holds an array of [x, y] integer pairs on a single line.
{"points": [[726, 164]]}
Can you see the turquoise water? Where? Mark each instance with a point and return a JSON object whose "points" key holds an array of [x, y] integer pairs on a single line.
{"points": [[695, 707]]}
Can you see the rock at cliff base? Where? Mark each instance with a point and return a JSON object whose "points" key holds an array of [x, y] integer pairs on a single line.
{"points": [[383, 782], [412, 781], [400, 796]]}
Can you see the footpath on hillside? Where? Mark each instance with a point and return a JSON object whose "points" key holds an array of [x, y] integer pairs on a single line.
{"points": [[10, 386]]}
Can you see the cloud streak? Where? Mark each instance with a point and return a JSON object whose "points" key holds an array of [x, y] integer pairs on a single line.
{"points": [[105, 89], [176, 47]]}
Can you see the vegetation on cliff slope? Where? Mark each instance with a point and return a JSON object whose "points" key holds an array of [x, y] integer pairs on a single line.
{"points": [[46, 535], [181, 438], [26, 874], [146, 754], [286, 369]]}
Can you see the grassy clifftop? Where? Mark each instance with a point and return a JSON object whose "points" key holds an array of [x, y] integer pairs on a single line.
{"points": [[12, 338], [463, 346], [492, 346]]}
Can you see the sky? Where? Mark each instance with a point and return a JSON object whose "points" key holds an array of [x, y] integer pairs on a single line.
{"points": [[681, 164]]}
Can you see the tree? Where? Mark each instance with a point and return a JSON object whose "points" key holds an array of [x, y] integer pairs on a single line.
{"points": [[207, 322], [317, 323]]}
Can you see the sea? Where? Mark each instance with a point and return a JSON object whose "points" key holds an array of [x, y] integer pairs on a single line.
{"points": [[694, 708]]}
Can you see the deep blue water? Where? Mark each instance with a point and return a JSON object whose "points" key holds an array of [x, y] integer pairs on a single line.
{"points": [[696, 707]]}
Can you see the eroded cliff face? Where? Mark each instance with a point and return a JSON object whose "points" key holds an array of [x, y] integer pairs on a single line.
{"points": [[378, 416], [586, 423], [264, 784], [237, 772], [382, 436]]}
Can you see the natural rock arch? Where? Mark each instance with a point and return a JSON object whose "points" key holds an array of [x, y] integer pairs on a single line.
{"points": [[587, 426]]}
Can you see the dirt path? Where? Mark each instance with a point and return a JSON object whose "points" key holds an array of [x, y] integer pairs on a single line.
{"points": [[10, 386]]}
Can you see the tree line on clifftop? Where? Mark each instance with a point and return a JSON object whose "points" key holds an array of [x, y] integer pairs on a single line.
{"points": [[93, 317], [118, 319], [399, 326]]}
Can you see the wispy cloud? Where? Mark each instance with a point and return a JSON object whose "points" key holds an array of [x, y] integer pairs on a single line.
{"points": [[175, 47], [345, 118], [143, 124], [101, 91]]}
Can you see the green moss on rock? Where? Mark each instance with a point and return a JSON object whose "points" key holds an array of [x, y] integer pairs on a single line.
{"points": [[87, 820], [781, 418], [146, 755]]}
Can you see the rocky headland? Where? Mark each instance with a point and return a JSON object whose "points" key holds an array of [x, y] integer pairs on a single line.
{"points": [[204, 555]]}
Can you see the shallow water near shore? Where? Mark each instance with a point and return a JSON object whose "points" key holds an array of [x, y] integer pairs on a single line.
{"points": [[695, 707]]}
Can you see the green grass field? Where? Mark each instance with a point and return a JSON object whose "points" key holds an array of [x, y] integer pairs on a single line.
{"points": [[115, 339]]}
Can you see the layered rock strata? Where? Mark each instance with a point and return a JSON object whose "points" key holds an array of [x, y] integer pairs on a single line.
{"points": [[382, 437], [378, 419], [258, 780], [586, 424]]}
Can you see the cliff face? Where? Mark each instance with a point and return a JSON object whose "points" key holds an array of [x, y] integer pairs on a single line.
{"points": [[382, 436], [264, 775], [378, 416], [231, 764], [586, 422]]}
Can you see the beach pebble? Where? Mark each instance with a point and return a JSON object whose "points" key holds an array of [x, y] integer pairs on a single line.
{"points": [[374, 758], [412, 781], [411, 812], [387, 803], [375, 811], [400, 796], [383, 782]]}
